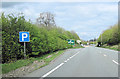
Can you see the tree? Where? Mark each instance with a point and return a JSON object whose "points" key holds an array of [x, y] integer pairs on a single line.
{"points": [[110, 36], [75, 36], [46, 19], [42, 40]]}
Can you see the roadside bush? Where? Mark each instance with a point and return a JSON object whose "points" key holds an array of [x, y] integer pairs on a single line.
{"points": [[110, 36], [42, 40]]}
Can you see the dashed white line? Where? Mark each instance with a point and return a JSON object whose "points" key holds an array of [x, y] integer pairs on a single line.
{"points": [[66, 60], [74, 55], [104, 55], [52, 70], [115, 62], [58, 66], [71, 57]]}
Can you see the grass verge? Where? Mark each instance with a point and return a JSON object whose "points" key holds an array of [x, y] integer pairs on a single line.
{"points": [[24, 62], [7, 67], [114, 47], [77, 46]]}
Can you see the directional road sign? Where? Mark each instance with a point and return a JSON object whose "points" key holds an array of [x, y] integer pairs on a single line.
{"points": [[70, 41]]}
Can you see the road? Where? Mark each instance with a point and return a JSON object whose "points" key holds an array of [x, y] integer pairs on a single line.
{"points": [[84, 62]]}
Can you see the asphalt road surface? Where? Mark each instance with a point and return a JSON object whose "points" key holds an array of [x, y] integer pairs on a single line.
{"points": [[84, 62]]}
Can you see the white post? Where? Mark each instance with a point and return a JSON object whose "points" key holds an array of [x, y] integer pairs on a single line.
{"points": [[96, 40], [24, 51], [101, 39]]}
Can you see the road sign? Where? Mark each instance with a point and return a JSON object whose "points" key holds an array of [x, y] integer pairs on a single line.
{"points": [[70, 41], [24, 37], [78, 41]]}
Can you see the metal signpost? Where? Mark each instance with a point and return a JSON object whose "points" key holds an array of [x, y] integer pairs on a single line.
{"points": [[24, 37]]}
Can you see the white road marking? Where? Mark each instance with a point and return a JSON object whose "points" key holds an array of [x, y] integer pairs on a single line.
{"points": [[68, 59], [115, 62], [65, 61], [104, 55], [58, 66], [52, 70], [74, 55]]}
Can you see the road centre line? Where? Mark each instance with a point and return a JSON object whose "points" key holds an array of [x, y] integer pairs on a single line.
{"points": [[58, 66], [52, 70], [104, 55], [74, 55], [71, 57], [66, 60], [115, 62]]}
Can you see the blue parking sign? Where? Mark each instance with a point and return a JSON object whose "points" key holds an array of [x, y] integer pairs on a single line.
{"points": [[24, 37]]}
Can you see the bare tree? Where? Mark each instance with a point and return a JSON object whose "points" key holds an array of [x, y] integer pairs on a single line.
{"points": [[46, 19], [75, 35]]}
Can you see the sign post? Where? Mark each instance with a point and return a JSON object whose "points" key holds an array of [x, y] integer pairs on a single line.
{"points": [[24, 51], [24, 37]]}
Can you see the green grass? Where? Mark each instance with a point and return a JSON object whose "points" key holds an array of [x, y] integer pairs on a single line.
{"points": [[54, 55], [114, 47], [24, 62], [78, 46], [12, 66]]}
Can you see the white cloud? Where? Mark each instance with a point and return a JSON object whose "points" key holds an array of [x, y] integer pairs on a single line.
{"points": [[60, 0], [90, 35], [84, 18]]}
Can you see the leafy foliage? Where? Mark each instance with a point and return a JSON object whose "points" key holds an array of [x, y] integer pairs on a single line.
{"points": [[42, 40], [110, 36]]}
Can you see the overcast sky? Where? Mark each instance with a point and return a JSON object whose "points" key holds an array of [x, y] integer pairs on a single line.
{"points": [[87, 19]]}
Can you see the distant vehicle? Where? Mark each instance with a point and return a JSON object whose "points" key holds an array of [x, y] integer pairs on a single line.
{"points": [[99, 44], [87, 43]]}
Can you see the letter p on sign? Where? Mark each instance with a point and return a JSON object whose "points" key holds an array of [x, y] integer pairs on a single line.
{"points": [[24, 37]]}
